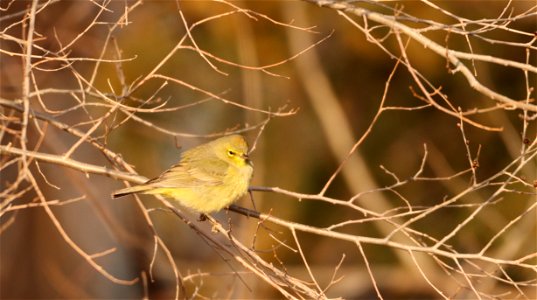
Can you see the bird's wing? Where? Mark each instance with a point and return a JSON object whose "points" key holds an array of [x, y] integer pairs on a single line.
{"points": [[192, 174]]}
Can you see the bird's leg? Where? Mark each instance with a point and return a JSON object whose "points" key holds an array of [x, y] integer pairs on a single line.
{"points": [[202, 217], [252, 199]]}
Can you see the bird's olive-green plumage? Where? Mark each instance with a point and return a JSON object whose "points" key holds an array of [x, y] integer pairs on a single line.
{"points": [[208, 177]]}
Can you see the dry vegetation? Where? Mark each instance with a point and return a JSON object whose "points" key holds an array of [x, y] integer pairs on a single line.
{"points": [[394, 147]]}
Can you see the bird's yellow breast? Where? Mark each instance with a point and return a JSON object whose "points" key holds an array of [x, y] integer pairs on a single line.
{"points": [[207, 199]]}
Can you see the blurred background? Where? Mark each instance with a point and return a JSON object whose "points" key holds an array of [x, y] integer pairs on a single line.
{"points": [[326, 79]]}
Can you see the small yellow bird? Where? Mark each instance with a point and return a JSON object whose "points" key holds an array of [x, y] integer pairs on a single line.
{"points": [[208, 177]]}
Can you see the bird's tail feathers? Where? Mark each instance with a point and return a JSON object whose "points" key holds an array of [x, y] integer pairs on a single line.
{"points": [[131, 190]]}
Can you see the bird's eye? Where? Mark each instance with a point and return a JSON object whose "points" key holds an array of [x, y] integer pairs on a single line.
{"points": [[230, 153]]}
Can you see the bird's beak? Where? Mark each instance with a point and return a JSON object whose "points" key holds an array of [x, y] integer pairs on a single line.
{"points": [[246, 158]]}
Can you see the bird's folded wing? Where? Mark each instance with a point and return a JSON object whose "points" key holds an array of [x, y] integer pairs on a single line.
{"points": [[192, 175]]}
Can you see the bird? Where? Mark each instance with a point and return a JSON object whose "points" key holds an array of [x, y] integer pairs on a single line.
{"points": [[207, 178]]}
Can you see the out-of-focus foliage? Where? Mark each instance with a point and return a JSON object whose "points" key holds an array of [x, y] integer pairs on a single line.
{"points": [[436, 199]]}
